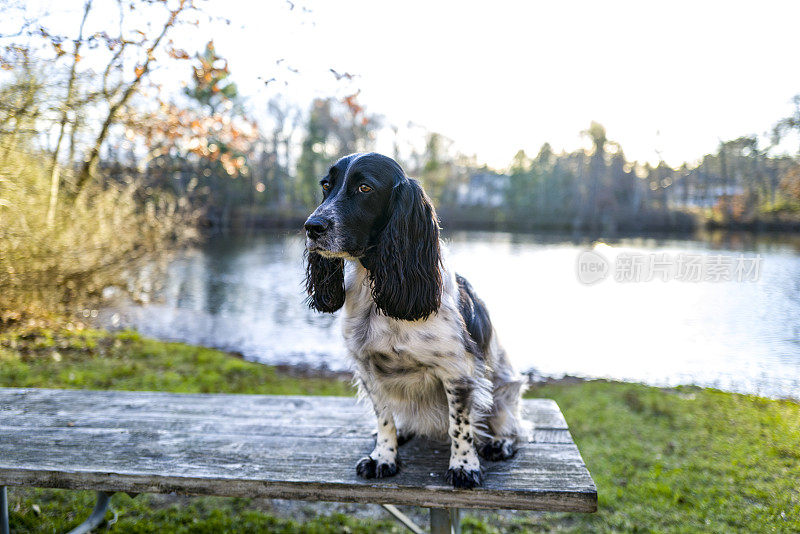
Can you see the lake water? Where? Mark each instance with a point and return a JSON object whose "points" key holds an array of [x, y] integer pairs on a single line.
{"points": [[245, 294]]}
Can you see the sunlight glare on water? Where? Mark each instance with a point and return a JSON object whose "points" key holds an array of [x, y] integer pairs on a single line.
{"points": [[733, 335]]}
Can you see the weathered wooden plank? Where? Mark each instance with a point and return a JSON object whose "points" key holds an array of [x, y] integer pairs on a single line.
{"points": [[435, 496], [76, 401], [543, 412], [295, 447], [286, 428], [269, 457]]}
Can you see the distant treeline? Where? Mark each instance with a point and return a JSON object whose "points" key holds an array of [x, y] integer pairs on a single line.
{"points": [[275, 176]]}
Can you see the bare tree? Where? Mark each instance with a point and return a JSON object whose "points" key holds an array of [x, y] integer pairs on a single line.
{"points": [[55, 178]]}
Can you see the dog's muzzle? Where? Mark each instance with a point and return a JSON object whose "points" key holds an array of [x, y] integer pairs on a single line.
{"points": [[316, 227]]}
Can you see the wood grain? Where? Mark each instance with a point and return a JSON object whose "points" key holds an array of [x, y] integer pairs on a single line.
{"points": [[264, 446]]}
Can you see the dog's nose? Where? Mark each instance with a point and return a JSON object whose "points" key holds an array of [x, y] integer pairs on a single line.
{"points": [[316, 226]]}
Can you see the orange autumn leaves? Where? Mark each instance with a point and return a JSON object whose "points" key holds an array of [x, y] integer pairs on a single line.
{"points": [[182, 132], [210, 127]]}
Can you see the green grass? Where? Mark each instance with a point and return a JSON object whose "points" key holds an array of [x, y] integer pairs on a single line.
{"points": [[684, 460], [59, 511], [681, 460], [92, 359]]}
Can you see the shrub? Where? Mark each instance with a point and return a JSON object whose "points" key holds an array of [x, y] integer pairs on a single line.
{"points": [[93, 242]]}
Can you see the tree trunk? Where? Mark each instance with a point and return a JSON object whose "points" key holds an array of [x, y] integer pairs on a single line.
{"points": [[55, 170]]}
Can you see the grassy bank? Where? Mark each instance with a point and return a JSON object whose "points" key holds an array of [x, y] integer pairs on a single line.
{"points": [[687, 460], [91, 359]]}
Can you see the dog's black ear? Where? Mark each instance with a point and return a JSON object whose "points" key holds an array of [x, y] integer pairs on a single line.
{"points": [[405, 267], [324, 282]]}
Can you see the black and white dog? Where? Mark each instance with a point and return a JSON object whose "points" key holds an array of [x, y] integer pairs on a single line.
{"points": [[425, 352]]}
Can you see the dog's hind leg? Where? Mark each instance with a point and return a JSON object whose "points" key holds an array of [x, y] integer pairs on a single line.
{"points": [[497, 449], [507, 428], [404, 436]]}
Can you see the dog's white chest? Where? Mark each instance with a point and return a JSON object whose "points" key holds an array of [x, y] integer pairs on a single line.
{"points": [[372, 332], [398, 350]]}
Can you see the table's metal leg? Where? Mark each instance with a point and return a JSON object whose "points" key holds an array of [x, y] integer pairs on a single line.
{"points": [[4, 528], [403, 519], [98, 514], [445, 521], [455, 520]]}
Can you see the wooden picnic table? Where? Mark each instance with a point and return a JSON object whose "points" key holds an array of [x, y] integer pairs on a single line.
{"points": [[283, 447]]}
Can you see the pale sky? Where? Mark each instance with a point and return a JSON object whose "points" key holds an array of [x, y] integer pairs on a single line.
{"points": [[495, 77], [675, 77]]}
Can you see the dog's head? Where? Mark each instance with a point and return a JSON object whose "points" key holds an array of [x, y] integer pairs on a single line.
{"points": [[372, 212]]}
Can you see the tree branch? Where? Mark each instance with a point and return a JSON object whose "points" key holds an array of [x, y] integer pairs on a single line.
{"points": [[90, 164], [55, 179]]}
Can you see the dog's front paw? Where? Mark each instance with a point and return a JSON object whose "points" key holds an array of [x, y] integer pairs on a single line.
{"points": [[461, 477], [369, 468], [497, 449]]}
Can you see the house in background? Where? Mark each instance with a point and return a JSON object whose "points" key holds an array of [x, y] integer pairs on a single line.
{"points": [[483, 189]]}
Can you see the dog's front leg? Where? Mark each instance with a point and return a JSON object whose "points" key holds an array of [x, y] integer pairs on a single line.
{"points": [[465, 467], [383, 460]]}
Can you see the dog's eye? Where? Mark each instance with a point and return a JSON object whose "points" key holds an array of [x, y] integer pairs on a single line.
{"points": [[325, 185], [364, 188]]}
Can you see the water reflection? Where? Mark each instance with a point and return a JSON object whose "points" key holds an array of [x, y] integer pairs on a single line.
{"points": [[246, 295]]}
